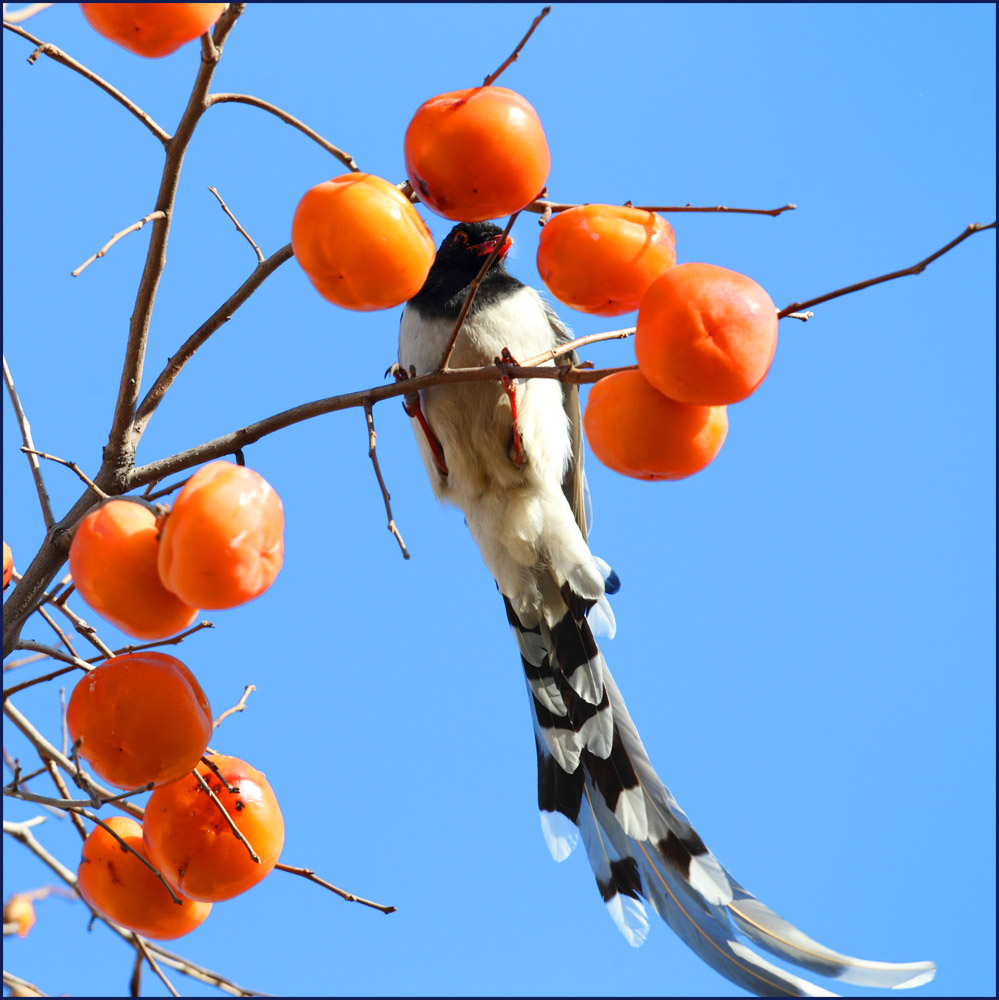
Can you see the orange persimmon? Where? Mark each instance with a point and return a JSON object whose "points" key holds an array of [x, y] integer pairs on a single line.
{"points": [[637, 431], [476, 154], [222, 544], [601, 259], [20, 910], [120, 887], [113, 561], [705, 334], [8, 565], [191, 842], [361, 243], [151, 29], [140, 718]]}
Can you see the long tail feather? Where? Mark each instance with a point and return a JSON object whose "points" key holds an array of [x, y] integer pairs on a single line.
{"points": [[638, 840]]}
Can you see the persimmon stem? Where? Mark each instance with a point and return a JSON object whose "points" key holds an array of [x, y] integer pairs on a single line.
{"points": [[515, 55]]}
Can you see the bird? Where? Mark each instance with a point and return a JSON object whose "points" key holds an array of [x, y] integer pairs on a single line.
{"points": [[508, 453]]}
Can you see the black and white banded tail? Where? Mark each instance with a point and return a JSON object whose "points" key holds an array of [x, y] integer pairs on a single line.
{"points": [[595, 779]]}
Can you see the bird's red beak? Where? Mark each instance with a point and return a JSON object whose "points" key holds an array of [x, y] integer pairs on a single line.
{"points": [[490, 245]]}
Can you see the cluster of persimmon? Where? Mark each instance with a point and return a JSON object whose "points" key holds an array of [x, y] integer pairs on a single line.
{"points": [[141, 720], [8, 565], [221, 545]]}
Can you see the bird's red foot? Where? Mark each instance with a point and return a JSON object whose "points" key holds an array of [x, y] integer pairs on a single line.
{"points": [[414, 410], [510, 388]]}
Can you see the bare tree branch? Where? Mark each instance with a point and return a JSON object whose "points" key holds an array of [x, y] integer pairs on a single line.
{"points": [[134, 227], [515, 55], [796, 307], [187, 350], [69, 465], [255, 102], [25, 427], [22, 15], [235, 222], [373, 455], [309, 874], [46, 49], [238, 707]]}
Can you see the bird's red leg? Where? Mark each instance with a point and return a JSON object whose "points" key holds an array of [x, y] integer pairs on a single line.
{"points": [[510, 388], [411, 404]]}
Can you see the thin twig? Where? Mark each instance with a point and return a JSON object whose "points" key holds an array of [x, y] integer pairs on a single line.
{"points": [[165, 492], [235, 222], [134, 227], [69, 465], [472, 289], [25, 427], [140, 944], [87, 631], [217, 771], [186, 351], [542, 206], [22, 15], [24, 661], [63, 638], [593, 338], [797, 307], [173, 641], [238, 707], [22, 833], [515, 55], [232, 823], [309, 874], [44, 48], [373, 455], [345, 158], [23, 987], [60, 783]]}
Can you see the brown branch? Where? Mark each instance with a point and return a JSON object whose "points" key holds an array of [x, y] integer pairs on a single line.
{"points": [[69, 465], [25, 428], [227, 443], [472, 289], [21, 832], [221, 316], [372, 454], [24, 661], [22, 15], [796, 307], [44, 48], [60, 783], [515, 55], [124, 437], [255, 102], [22, 986], [173, 641], [543, 207], [225, 813], [87, 631], [309, 874], [593, 338], [235, 222], [141, 946], [134, 227], [238, 707], [63, 638]]}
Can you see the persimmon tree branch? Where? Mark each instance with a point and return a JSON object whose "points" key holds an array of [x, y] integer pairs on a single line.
{"points": [[25, 428], [515, 55], [975, 227], [542, 206], [134, 227], [249, 239], [255, 102], [386, 498], [47, 49], [219, 318], [309, 874]]}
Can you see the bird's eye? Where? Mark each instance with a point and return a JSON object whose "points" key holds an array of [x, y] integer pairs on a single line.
{"points": [[461, 236]]}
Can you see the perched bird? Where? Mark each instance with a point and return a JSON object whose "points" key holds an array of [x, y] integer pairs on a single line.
{"points": [[509, 455]]}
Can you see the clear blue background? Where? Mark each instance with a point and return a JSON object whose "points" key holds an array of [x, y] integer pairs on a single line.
{"points": [[806, 629]]}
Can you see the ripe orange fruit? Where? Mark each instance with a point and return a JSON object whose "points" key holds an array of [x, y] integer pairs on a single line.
{"points": [[119, 886], [637, 431], [601, 259], [223, 543], [705, 334], [361, 243], [8, 565], [141, 718], [189, 840], [151, 29], [113, 562], [476, 154], [20, 910]]}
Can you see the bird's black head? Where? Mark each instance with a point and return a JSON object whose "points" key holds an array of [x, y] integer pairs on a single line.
{"points": [[459, 259]]}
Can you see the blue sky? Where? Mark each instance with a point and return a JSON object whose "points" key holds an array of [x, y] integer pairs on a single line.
{"points": [[805, 630]]}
